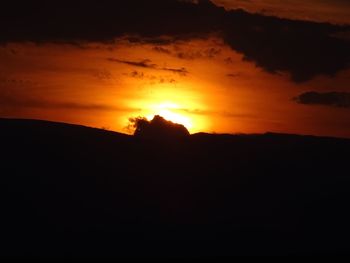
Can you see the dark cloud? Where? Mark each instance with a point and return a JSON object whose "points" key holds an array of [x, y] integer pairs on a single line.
{"points": [[158, 128], [146, 63], [302, 49], [180, 71], [189, 54], [334, 99], [233, 75], [162, 50], [101, 74], [151, 78], [228, 60], [207, 53], [139, 75]]}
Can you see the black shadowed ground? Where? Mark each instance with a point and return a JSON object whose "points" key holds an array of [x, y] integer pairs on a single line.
{"points": [[76, 192]]}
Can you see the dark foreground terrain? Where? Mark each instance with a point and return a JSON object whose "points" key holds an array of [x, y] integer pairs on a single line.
{"points": [[75, 192]]}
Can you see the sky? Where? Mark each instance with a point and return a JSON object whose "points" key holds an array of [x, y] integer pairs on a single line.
{"points": [[333, 11], [270, 66]]}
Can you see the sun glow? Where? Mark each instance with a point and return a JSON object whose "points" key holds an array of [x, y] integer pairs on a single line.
{"points": [[182, 105], [169, 111]]}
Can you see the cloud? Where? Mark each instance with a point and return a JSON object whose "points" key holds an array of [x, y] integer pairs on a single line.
{"points": [[146, 63], [180, 71], [7, 101], [333, 99], [101, 74], [189, 54], [218, 113], [151, 78], [162, 50], [196, 54], [303, 49], [14, 81], [158, 128], [139, 75], [233, 75]]}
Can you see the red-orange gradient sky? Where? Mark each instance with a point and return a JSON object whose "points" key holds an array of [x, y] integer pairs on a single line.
{"points": [[252, 80]]}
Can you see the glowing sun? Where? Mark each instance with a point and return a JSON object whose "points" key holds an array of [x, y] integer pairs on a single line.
{"points": [[176, 105], [171, 112]]}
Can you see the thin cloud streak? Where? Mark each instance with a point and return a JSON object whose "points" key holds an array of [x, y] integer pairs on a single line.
{"points": [[11, 102], [146, 63]]}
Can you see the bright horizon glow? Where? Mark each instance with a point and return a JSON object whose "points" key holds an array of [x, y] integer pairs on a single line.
{"points": [[222, 94], [167, 110], [175, 104]]}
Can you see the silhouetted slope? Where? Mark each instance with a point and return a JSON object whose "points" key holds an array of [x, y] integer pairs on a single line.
{"points": [[72, 191]]}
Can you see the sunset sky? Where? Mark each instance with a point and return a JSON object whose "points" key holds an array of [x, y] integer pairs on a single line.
{"points": [[278, 66]]}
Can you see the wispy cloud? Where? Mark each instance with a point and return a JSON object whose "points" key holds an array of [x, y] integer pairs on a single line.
{"points": [[147, 63], [7, 101], [149, 77], [217, 113], [189, 54]]}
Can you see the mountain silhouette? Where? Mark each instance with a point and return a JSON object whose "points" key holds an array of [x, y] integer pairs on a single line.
{"points": [[73, 192]]}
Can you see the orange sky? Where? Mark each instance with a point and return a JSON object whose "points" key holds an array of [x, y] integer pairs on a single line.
{"points": [[201, 83]]}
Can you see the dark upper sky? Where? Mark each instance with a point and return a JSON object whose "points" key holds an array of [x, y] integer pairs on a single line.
{"points": [[304, 49]]}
